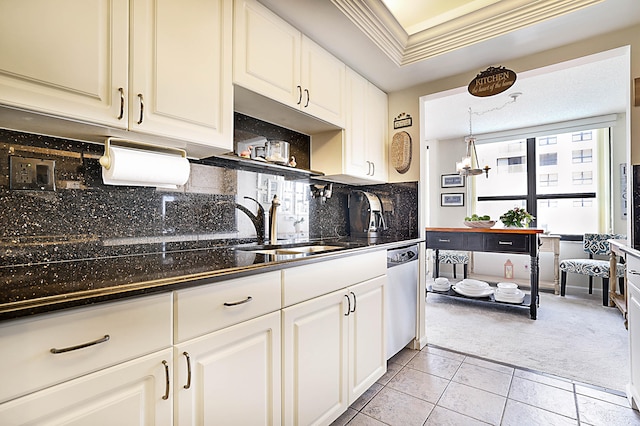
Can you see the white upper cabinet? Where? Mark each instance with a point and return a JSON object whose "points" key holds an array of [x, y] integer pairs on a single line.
{"points": [[356, 155], [155, 67], [65, 58], [181, 73], [275, 60]]}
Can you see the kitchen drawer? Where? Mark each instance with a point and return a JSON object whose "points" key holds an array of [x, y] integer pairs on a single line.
{"points": [[309, 281], [633, 271], [135, 327], [445, 240], [207, 308], [507, 243]]}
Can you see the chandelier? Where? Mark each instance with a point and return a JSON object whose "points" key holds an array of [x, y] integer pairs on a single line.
{"points": [[469, 165]]}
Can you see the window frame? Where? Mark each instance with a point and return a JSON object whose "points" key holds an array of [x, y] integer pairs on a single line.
{"points": [[532, 197]]}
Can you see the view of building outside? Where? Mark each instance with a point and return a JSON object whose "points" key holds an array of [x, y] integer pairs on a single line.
{"points": [[569, 178]]}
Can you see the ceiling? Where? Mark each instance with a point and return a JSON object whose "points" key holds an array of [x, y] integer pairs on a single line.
{"points": [[398, 44]]}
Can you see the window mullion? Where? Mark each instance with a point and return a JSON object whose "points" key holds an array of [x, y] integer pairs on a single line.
{"points": [[532, 204]]}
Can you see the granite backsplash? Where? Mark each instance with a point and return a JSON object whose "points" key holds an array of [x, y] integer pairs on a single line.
{"points": [[85, 219]]}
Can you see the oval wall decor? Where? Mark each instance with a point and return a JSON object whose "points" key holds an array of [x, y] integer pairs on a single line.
{"points": [[492, 81], [401, 152]]}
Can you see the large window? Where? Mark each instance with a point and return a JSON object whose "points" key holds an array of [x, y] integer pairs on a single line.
{"points": [[558, 178]]}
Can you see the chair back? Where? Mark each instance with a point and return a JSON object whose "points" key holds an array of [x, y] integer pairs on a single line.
{"points": [[598, 244]]}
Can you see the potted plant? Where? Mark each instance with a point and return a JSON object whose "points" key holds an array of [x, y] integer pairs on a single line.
{"points": [[516, 218]]}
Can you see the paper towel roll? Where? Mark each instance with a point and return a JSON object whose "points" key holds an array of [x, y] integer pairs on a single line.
{"points": [[134, 167]]}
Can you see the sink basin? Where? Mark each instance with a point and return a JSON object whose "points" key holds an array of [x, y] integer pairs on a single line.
{"points": [[294, 250]]}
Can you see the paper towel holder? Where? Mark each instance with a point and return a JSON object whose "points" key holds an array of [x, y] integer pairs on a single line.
{"points": [[105, 159]]}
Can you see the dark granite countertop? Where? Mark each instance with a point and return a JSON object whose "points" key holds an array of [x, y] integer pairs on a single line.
{"points": [[30, 288]]}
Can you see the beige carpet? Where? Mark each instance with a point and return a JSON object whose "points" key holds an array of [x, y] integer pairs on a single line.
{"points": [[574, 337]]}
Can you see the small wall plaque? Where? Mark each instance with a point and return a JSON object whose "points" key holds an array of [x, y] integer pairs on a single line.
{"points": [[403, 120], [492, 81]]}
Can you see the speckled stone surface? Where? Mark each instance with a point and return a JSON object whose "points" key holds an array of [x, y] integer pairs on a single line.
{"points": [[87, 242]]}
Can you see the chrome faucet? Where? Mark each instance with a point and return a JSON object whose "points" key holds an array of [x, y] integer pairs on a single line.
{"points": [[257, 219], [273, 220]]}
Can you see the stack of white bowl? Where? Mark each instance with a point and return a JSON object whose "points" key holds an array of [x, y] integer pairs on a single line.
{"points": [[473, 288], [441, 284], [508, 293]]}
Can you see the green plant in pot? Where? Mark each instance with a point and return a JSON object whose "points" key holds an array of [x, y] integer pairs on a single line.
{"points": [[516, 218]]}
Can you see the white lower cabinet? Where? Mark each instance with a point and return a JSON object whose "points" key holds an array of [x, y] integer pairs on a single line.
{"points": [[231, 376], [333, 351], [137, 392], [633, 321]]}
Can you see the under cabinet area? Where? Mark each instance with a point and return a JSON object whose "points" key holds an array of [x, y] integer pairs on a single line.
{"points": [[156, 68], [111, 361], [275, 60], [333, 344], [137, 392], [231, 376], [291, 346]]}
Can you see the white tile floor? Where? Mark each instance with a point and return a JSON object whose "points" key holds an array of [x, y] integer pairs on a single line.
{"points": [[439, 387]]}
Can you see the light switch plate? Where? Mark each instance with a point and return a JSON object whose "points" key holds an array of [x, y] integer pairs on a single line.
{"points": [[32, 174]]}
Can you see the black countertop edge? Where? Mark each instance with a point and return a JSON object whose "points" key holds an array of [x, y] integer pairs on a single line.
{"points": [[36, 306]]}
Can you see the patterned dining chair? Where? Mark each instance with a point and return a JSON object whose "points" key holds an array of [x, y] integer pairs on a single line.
{"points": [[593, 245], [453, 257]]}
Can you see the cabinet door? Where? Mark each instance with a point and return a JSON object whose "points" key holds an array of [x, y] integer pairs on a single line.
{"points": [[65, 58], [131, 393], [367, 348], [235, 375], [323, 83], [633, 321], [315, 357], [356, 160], [377, 132], [181, 70], [266, 53]]}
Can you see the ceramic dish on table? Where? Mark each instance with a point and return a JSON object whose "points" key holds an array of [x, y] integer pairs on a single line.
{"points": [[515, 298], [441, 284], [479, 223], [473, 293]]}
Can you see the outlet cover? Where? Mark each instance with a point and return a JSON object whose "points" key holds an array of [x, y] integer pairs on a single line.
{"points": [[32, 174]]}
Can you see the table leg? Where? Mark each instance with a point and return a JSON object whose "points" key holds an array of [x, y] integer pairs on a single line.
{"points": [[556, 270], [533, 307]]}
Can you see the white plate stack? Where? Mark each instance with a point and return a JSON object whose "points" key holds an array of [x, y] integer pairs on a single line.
{"points": [[508, 293], [473, 288], [441, 284]]}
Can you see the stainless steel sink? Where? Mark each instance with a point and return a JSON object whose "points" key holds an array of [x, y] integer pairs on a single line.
{"points": [[308, 249]]}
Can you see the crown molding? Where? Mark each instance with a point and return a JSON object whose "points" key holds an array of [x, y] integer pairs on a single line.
{"points": [[467, 28]]}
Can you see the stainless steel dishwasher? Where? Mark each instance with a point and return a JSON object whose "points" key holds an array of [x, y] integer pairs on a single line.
{"points": [[401, 297]]}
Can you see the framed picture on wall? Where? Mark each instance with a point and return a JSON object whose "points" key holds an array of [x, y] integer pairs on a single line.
{"points": [[452, 199], [453, 180]]}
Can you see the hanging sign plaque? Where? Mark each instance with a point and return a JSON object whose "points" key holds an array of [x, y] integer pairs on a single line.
{"points": [[492, 81]]}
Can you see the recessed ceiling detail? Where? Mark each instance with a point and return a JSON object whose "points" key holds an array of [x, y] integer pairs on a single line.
{"points": [[460, 26]]}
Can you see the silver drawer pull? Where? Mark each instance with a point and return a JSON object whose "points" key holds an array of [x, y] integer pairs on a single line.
{"points": [[247, 300], [505, 243], [440, 240], [634, 272], [81, 346]]}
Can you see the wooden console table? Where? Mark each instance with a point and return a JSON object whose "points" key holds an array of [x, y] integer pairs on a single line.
{"points": [[618, 248], [511, 241]]}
